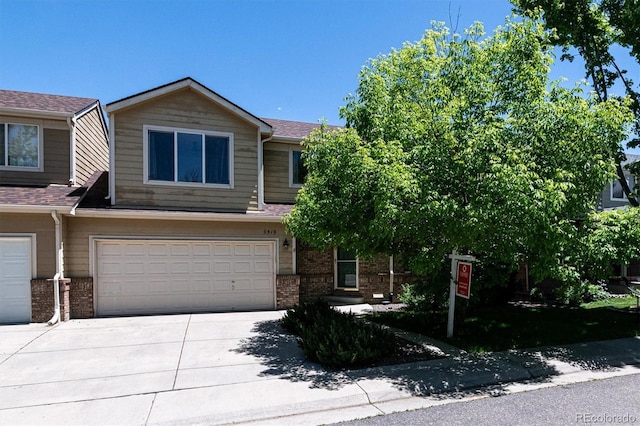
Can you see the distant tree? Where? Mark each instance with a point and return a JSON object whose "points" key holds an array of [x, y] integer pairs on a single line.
{"points": [[461, 142], [593, 27]]}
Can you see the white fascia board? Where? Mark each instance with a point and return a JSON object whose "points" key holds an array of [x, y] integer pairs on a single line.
{"points": [[23, 208], [287, 139], [23, 112], [174, 215]]}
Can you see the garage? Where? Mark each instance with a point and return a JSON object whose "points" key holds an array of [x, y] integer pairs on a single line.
{"points": [[15, 279], [135, 277]]}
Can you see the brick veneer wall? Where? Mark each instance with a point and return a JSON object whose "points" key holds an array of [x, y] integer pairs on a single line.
{"points": [[315, 268], [81, 297], [42, 300], [287, 291]]}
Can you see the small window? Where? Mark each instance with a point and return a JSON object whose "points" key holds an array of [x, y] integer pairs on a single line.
{"points": [[19, 146], [297, 169], [188, 157], [346, 269], [617, 193]]}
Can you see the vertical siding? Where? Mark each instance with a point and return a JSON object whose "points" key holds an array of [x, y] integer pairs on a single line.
{"points": [[190, 110], [92, 147], [276, 174], [56, 161], [77, 250], [42, 225]]}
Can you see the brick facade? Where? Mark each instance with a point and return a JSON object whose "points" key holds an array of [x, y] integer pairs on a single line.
{"points": [[316, 270], [42, 300], [287, 291], [81, 297]]}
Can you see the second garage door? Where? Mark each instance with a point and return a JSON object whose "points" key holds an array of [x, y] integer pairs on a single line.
{"points": [[155, 277]]}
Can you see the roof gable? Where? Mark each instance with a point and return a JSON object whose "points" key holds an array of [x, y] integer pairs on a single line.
{"points": [[194, 85]]}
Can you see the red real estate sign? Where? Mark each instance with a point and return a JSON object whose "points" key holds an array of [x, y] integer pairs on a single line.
{"points": [[463, 289]]}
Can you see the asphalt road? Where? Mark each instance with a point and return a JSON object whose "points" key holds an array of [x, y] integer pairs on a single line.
{"points": [[613, 401]]}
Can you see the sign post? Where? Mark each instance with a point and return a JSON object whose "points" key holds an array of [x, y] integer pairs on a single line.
{"points": [[460, 283]]}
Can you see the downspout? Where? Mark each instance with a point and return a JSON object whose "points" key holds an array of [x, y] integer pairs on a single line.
{"points": [[112, 158], [71, 122], [261, 170], [391, 278], [56, 279]]}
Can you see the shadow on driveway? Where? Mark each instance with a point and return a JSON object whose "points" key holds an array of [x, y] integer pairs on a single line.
{"points": [[459, 375]]}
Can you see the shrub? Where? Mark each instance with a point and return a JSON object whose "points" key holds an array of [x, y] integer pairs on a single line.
{"points": [[336, 339]]}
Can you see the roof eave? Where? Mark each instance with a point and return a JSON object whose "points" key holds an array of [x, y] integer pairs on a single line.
{"points": [[175, 215]]}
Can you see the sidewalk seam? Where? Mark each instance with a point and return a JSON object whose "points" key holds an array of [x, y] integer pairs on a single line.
{"points": [[184, 340]]}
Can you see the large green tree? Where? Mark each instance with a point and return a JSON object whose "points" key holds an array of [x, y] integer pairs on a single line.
{"points": [[593, 28], [460, 142]]}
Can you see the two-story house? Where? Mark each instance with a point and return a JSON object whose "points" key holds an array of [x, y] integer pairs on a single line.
{"points": [[50, 147], [613, 197], [189, 216]]}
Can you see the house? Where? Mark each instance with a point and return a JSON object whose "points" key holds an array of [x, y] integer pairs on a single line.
{"points": [[50, 147], [188, 217], [613, 196]]}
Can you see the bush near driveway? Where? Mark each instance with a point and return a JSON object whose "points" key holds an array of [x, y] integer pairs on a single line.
{"points": [[336, 339]]}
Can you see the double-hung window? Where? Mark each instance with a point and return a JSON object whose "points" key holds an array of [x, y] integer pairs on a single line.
{"points": [[20, 146], [346, 269], [188, 157], [297, 169]]}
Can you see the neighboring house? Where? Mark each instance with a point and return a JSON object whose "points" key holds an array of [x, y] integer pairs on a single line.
{"points": [[613, 196], [189, 216], [50, 147]]}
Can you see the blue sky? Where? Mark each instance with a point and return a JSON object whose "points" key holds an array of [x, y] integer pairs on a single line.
{"points": [[286, 59]]}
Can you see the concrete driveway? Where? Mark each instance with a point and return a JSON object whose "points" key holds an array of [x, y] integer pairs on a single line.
{"points": [[240, 367], [149, 370]]}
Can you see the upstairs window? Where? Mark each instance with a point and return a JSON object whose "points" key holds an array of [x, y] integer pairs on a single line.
{"points": [[19, 146], [617, 193], [188, 157], [297, 169]]}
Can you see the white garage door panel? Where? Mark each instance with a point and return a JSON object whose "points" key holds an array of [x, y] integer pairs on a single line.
{"points": [[146, 277], [15, 279]]}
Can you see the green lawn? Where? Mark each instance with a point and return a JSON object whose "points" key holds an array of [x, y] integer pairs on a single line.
{"points": [[500, 328]]}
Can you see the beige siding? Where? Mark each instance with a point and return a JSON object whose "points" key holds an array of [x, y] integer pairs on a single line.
{"points": [[77, 250], [56, 157], [92, 148], [276, 174], [40, 224], [190, 110]]}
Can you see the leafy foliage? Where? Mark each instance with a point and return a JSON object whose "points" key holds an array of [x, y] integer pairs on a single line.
{"points": [[463, 142], [594, 28], [337, 339]]}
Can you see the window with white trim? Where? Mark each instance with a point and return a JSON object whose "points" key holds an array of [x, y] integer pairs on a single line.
{"points": [[617, 193], [346, 269], [297, 169], [188, 157], [19, 146]]}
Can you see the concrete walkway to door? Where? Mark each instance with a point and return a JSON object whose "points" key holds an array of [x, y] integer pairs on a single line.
{"points": [[240, 367]]}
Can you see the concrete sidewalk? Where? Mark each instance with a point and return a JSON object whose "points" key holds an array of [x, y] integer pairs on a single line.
{"points": [[240, 367]]}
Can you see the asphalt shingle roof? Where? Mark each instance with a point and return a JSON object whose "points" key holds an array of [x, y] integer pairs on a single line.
{"points": [[292, 129], [43, 102]]}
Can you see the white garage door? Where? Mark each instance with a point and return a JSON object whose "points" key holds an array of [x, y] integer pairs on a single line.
{"points": [[151, 277], [15, 279]]}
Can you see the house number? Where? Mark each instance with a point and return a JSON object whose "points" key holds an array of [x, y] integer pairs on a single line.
{"points": [[269, 232]]}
